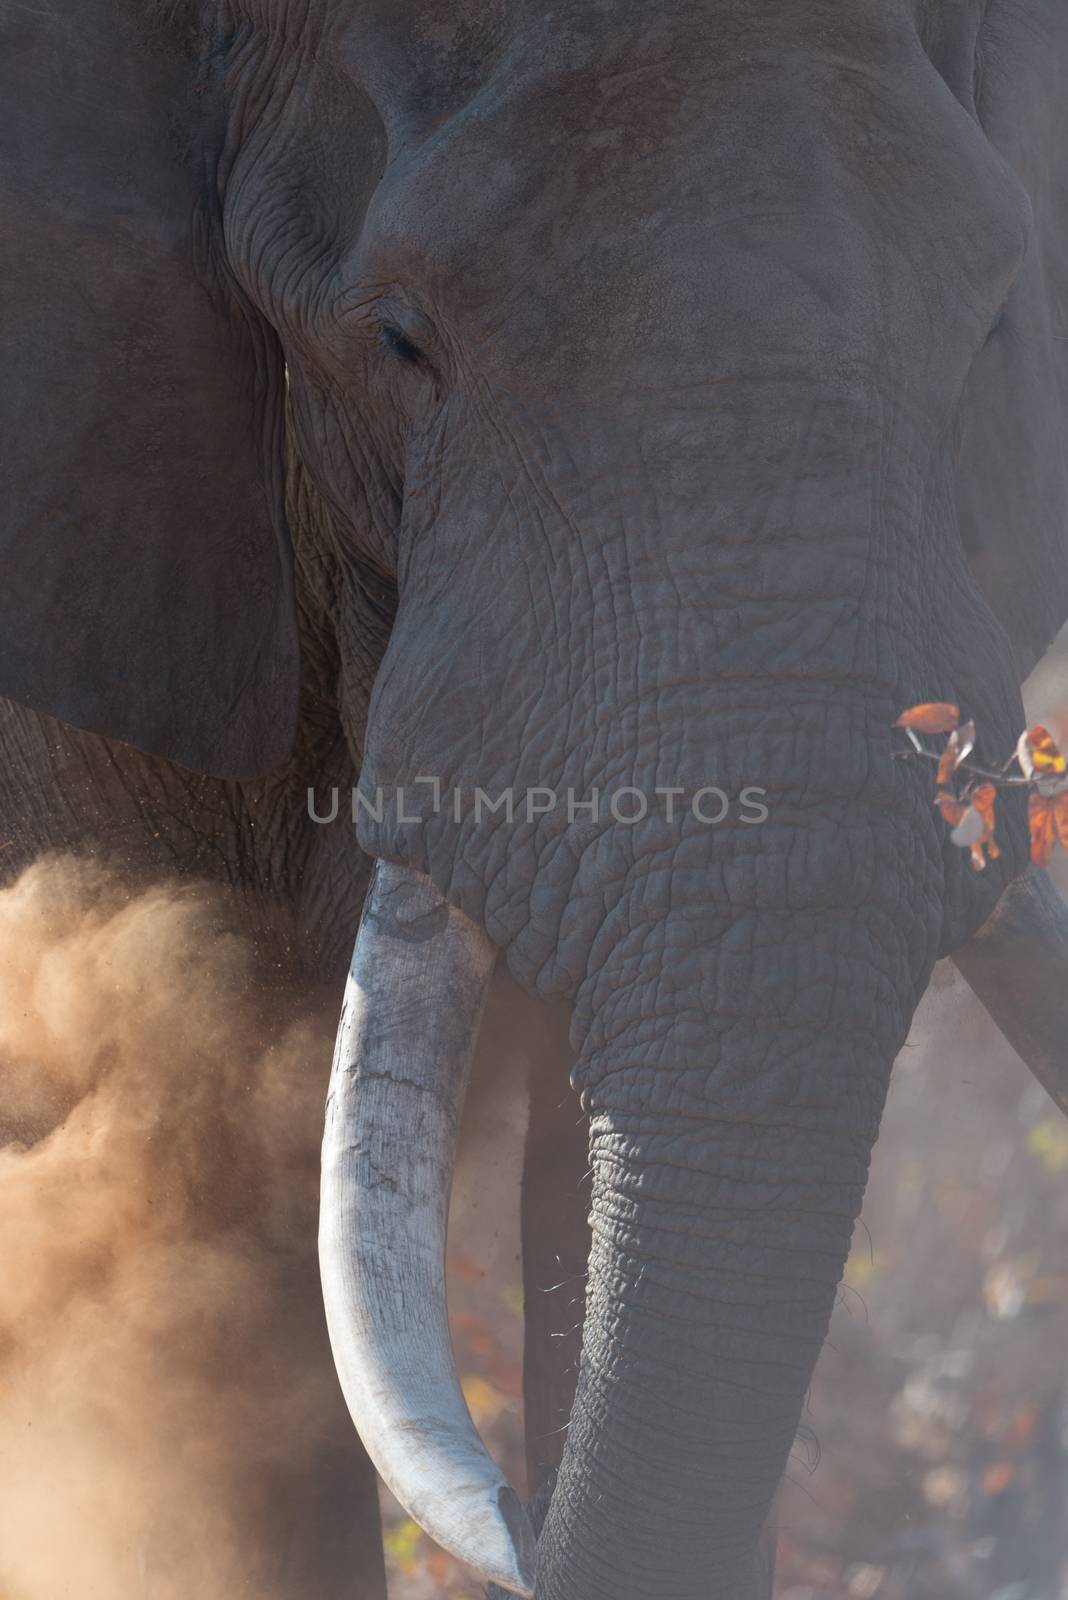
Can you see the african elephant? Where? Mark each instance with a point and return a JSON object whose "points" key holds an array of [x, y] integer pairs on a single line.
{"points": [[672, 395]]}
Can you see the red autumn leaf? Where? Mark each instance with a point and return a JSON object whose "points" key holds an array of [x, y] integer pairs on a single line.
{"points": [[959, 747], [1042, 823], [975, 830], [1047, 816], [1038, 755], [936, 716], [984, 800]]}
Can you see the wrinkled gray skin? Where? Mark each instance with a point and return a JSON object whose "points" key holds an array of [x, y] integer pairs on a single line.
{"points": [[691, 374]]}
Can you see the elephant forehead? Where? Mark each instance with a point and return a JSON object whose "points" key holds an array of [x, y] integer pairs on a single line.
{"points": [[588, 187], [661, 199]]}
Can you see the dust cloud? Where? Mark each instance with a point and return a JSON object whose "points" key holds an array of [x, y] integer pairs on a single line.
{"points": [[162, 1372]]}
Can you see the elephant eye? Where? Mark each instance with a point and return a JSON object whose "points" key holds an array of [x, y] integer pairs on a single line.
{"points": [[401, 346]]}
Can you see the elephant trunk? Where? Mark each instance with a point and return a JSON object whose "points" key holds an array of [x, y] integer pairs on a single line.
{"points": [[730, 1145]]}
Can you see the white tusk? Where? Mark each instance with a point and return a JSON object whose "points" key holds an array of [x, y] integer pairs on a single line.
{"points": [[413, 1003], [1017, 964]]}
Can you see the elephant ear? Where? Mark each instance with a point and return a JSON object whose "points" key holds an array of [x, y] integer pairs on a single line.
{"points": [[1013, 474], [145, 569]]}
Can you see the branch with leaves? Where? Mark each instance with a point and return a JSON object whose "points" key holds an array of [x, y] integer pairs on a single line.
{"points": [[966, 793]]}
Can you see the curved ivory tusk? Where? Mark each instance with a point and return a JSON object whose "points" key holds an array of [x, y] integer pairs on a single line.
{"points": [[413, 1003], [1017, 964]]}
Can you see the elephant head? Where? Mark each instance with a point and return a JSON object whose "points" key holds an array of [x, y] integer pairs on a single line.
{"points": [[693, 375]]}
